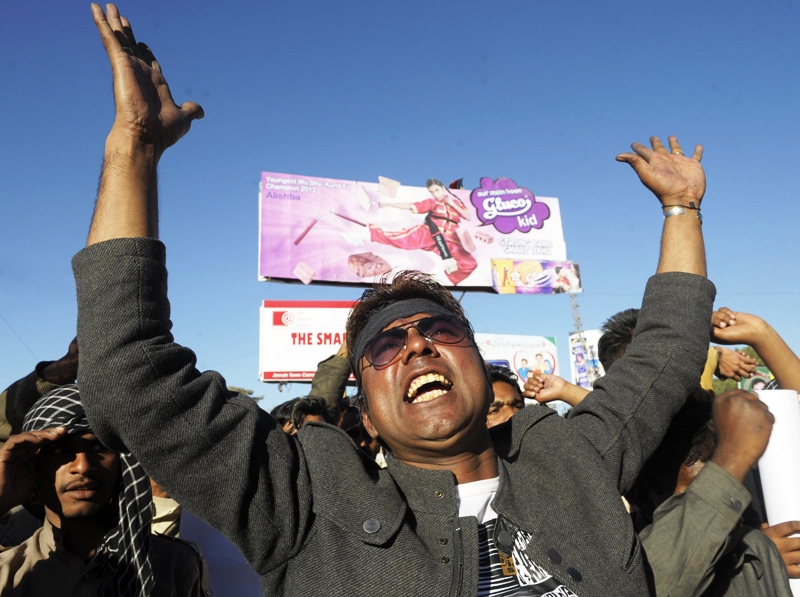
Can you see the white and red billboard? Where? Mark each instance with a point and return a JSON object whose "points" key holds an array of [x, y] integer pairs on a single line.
{"points": [[296, 335]]}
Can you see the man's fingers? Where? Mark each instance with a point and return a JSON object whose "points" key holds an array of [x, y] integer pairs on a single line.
{"points": [[641, 150], [784, 529], [632, 159], [127, 31], [113, 18], [674, 146], [148, 57], [194, 111], [107, 36], [790, 548], [657, 145], [698, 153], [723, 318], [29, 442]]}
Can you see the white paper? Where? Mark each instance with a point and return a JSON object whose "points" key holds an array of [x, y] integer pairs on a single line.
{"points": [[780, 465], [228, 571]]}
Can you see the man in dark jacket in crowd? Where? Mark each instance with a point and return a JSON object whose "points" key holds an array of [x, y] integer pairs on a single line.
{"points": [[531, 509]]}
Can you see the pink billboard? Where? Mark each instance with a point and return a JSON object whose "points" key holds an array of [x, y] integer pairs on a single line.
{"points": [[344, 231]]}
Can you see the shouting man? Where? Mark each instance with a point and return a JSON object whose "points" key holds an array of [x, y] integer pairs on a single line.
{"points": [[539, 496]]}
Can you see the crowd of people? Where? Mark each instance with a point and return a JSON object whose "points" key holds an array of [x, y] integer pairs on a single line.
{"points": [[435, 479]]}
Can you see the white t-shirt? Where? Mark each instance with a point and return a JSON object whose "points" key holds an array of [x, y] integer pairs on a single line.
{"points": [[474, 499]]}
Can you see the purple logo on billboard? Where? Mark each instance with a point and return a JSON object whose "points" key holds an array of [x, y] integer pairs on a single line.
{"points": [[509, 207]]}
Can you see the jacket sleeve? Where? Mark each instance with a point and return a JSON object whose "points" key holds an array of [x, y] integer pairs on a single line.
{"points": [[691, 531], [330, 380], [627, 414], [213, 450]]}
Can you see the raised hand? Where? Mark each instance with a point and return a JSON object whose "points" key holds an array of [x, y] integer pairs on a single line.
{"points": [[16, 463], [544, 387], [734, 327], [734, 364], [672, 177], [144, 105]]}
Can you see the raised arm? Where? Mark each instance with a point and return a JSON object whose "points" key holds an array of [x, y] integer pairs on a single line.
{"points": [[203, 444], [629, 410], [735, 327], [147, 122]]}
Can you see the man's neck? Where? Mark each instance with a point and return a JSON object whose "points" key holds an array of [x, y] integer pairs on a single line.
{"points": [[81, 536], [466, 466]]}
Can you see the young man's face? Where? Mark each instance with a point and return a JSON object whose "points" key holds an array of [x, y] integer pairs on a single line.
{"points": [[507, 401], [430, 401], [77, 477]]}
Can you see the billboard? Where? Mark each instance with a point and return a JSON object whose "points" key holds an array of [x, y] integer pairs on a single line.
{"points": [[353, 232], [584, 364], [760, 380], [296, 335], [512, 276], [523, 355]]}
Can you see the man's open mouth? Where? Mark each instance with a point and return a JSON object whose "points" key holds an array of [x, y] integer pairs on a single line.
{"points": [[427, 387]]}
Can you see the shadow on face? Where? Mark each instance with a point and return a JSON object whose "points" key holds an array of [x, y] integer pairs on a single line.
{"points": [[77, 477]]}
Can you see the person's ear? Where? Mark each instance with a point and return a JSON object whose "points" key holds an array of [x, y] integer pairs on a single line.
{"points": [[373, 433]]}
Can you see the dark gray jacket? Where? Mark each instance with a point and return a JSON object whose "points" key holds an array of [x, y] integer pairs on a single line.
{"points": [[314, 517]]}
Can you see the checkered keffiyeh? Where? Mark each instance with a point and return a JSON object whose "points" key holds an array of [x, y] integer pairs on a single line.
{"points": [[126, 547]]}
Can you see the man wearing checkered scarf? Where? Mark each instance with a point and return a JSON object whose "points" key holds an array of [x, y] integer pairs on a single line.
{"points": [[97, 507]]}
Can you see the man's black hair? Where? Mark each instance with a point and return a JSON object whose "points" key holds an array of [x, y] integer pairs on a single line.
{"points": [[617, 335], [504, 374], [297, 410], [283, 412]]}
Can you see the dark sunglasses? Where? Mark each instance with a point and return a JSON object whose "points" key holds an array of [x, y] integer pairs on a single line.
{"points": [[384, 348]]}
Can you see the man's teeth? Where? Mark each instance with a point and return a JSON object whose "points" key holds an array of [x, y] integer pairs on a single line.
{"points": [[426, 379], [429, 396]]}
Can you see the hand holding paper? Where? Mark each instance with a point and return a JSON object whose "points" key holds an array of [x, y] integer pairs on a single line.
{"points": [[789, 546]]}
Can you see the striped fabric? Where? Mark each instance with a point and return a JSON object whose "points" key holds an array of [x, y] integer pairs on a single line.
{"points": [[529, 580]]}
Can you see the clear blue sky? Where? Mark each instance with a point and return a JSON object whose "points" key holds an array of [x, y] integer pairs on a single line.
{"points": [[544, 92]]}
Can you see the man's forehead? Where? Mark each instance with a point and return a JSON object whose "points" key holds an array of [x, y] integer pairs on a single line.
{"points": [[401, 321], [87, 437], [506, 393]]}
